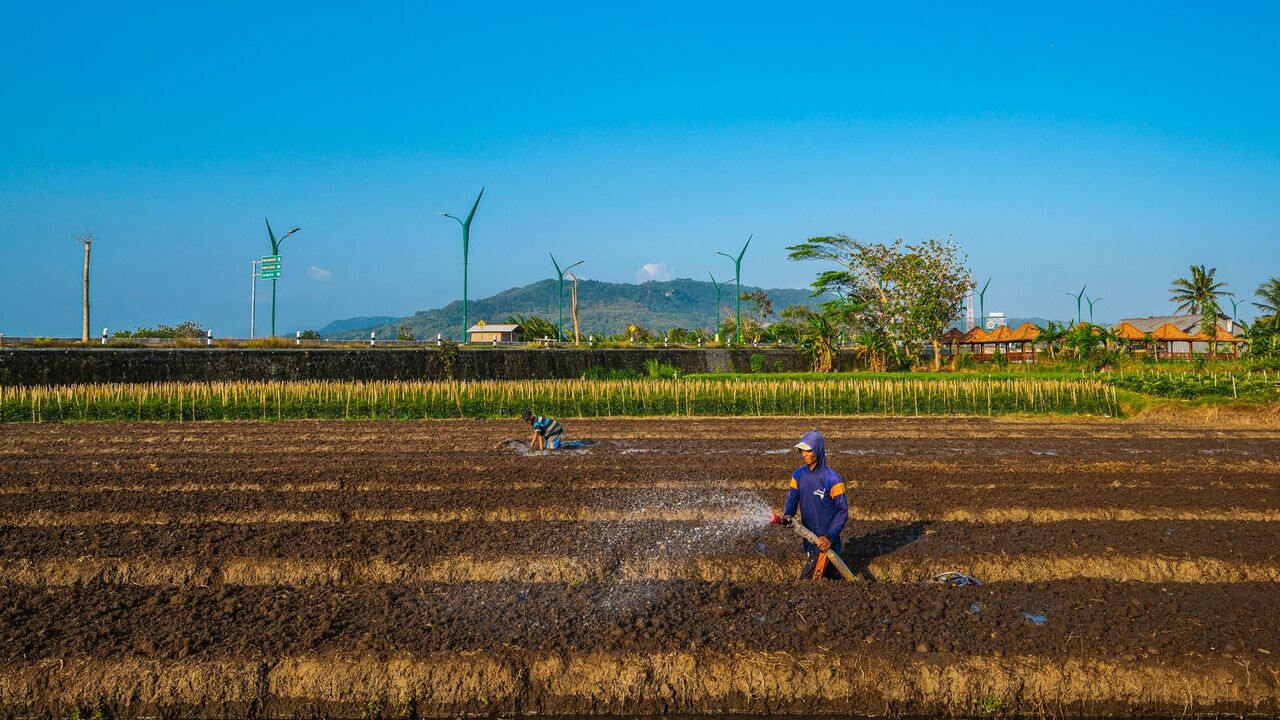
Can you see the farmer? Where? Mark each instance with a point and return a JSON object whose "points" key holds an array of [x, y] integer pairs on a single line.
{"points": [[547, 433], [817, 491]]}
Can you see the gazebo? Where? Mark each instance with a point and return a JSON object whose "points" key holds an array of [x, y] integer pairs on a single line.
{"points": [[1211, 343], [1167, 335], [1003, 339], [1131, 335]]}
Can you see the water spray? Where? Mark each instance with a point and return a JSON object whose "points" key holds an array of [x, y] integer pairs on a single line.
{"points": [[804, 532]]}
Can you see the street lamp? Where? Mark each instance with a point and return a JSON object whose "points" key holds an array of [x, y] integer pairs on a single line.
{"points": [[982, 303], [1079, 314], [1091, 302], [275, 250], [716, 329], [466, 243], [560, 294], [737, 273]]}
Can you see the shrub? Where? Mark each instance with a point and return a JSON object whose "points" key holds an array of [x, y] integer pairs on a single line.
{"points": [[661, 370], [595, 372], [757, 363]]}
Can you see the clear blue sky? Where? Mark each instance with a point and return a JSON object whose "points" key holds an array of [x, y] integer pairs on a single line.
{"points": [[1109, 143]]}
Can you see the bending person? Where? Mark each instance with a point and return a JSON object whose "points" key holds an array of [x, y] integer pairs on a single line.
{"points": [[547, 432]]}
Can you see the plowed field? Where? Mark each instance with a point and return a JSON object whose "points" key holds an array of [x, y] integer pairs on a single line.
{"points": [[428, 568]]}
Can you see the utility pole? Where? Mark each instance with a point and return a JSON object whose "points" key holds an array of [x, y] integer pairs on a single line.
{"points": [[86, 240], [737, 273], [275, 275], [466, 244], [560, 294], [253, 296]]}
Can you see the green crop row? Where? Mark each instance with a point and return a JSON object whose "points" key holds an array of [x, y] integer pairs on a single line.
{"points": [[564, 398]]}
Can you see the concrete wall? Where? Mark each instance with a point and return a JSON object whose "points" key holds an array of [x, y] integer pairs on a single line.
{"points": [[59, 366]]}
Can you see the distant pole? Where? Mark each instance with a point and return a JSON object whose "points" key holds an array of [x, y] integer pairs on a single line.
{"points": [[560, 294], [1234, 319], [715, 330], [86, 240], [275, 250], [253, 296], [737, 274], [466, 245]]}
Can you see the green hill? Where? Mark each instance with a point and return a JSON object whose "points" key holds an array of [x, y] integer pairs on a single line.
{"points": [[604, 308]]}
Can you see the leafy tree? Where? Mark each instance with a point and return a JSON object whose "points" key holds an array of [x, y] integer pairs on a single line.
{"points": [[534, 327], [310, 335], [760, 304], [902, 296], [1269, 293], [1052, 336], [1192, 293], [404, 333], [820, 333], [636, 332]]}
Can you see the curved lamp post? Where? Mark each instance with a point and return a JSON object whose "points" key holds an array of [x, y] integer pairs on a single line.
{"points": [[1079, 314], [1091, 302], [982, 303], [715, 330], [560, 294], [737, 274], [466, 244], [275, 250]]}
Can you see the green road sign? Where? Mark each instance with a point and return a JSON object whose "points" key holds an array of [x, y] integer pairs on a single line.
{"points": [[270, 267]]}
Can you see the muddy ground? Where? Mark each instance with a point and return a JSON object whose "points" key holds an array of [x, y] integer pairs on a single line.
{"points": [[400, 569]]}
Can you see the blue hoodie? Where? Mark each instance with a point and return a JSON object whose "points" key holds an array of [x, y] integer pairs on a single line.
{"points": [[819, 495]]}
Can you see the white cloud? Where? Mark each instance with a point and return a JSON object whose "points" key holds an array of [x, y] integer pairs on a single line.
{"points": [[653, 271], [318, 273]]}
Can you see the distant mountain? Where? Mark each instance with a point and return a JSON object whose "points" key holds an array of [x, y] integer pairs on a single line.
{"points": [[350, 325], [604, 308]]}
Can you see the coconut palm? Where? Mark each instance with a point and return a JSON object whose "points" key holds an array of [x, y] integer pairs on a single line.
{"points": [[1269, 293], [1192, 293]]}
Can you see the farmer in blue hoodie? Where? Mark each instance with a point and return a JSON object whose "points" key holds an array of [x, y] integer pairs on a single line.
{"points": [[817, 491]]}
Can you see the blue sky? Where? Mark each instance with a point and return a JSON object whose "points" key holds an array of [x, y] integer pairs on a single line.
{"points": [[1107, 143]]}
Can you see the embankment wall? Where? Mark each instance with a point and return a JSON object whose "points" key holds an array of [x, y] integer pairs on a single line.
{"points": [[61, 366]]}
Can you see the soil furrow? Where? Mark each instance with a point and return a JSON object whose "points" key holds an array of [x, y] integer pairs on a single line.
{"points": [[741, 682], [231, 570]]}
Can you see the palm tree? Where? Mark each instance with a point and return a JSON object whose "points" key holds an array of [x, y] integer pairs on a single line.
{"points": [[1269, 293], [1192, 294]]}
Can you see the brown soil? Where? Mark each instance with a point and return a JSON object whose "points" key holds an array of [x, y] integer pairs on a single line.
{"points": [[394, 569]]}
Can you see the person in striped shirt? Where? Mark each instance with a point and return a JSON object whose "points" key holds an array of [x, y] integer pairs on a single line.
{"points": [[547, 432]]}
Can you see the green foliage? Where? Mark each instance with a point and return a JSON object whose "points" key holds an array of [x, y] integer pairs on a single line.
{"points": [[560, 398], [449, 358], [595, 372], [405, 334], [988, 705], [661, 370], [310, 335], [1183, 385], [757, 363], [534, 327], [188, 329]]}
